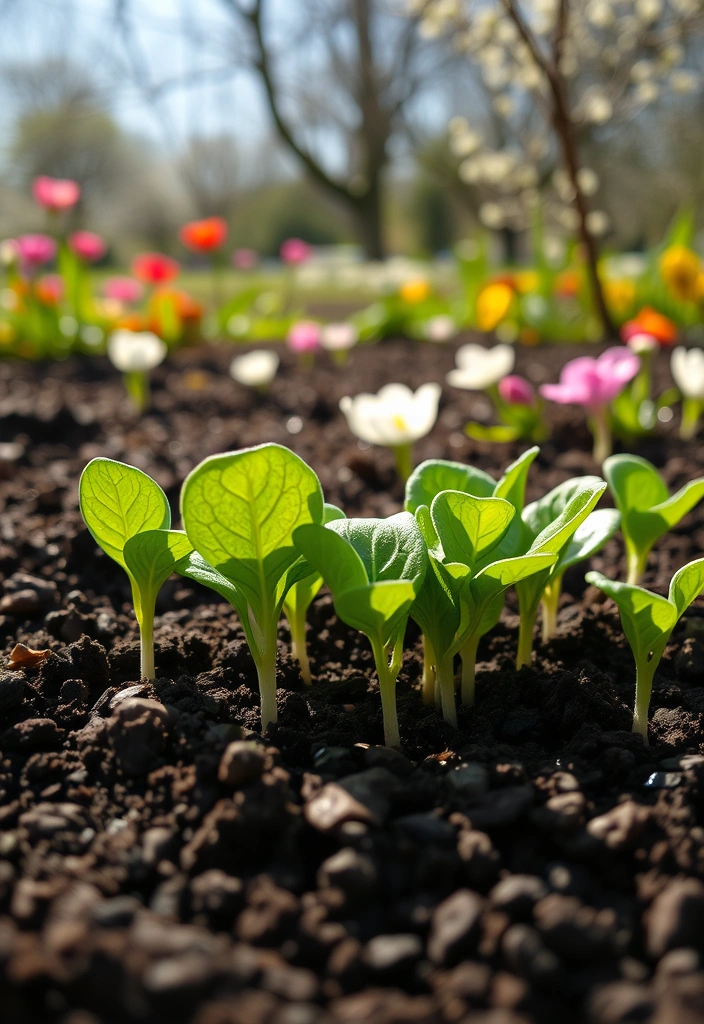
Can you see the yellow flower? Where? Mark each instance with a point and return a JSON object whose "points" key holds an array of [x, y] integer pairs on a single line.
{"points": [[526, 281], [680, 269], [620, 295], [7, 333], [414, 291], [700, 286], [493, 303]]}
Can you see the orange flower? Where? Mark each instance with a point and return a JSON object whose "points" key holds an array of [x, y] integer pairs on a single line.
{"points": [[133, 322], [187, 309], [207, 235], [493, 303], [567, 284], [414, 291], [649, 321], [50, 289]]}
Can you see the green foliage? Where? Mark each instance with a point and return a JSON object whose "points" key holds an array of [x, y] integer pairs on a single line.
{"points": [[240, 511], [647, 509], [374, 568], [129, 517], [648, 621], [298, 600]]}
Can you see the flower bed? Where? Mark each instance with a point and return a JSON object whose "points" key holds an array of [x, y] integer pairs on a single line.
{"points": [[537, 864]]}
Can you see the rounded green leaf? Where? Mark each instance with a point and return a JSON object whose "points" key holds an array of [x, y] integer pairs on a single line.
{"points": [[468, 526], [152, 556], [118, 502], [436, 475]]}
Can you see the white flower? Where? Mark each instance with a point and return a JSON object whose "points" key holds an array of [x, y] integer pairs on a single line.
{"points": [[135, 351], [440, 328], [338, 337], [394, 416], [641, 344], [479, 368], [256, 369], [687, 369]]}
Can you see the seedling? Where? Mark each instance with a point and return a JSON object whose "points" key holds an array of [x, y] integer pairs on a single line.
{"points": [[550, 524], [129, 517], [240, 511], [297, 602], [374, 568], [462, 595], [648, 621], [647, 509]]}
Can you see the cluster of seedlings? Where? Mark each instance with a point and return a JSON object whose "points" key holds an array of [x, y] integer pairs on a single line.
{"points": [[256, 529]]}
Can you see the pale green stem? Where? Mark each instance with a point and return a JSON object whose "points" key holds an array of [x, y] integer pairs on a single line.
{"points": [[525, 638], [602, 435], [691, 411], [446, 688], [404, 464], [549, 605], [146, 645], [428, 671], [468, 653], [637, 562], [644, 686], [299, 647], [387, 688], [137, 385], [266, 672]]}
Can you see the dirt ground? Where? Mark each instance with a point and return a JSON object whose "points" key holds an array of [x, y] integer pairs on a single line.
{"points": [[537, 865]]}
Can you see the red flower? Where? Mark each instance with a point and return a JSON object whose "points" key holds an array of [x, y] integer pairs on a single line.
{"points": [[206, 235], [155, 268]]}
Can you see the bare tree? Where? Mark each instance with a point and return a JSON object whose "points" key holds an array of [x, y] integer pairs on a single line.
{"points": [[340, 92]]}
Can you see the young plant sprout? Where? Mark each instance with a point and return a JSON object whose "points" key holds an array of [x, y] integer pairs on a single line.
{"points": [[240, 511], [374, 568], [135, 353], [550, 524], [593, 384], [394, 418], [129, 517], [255, 369], [648, 621], [519, 410], [462, 595], [647, 509], [687, 369], [298, 600], [437, 475]]}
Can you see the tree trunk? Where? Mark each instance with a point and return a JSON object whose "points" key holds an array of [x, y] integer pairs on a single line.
{"points": [[366, 213]]}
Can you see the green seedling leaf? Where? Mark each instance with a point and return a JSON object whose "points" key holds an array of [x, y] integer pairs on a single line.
{"points": [[499, 434], [299, 597], [240, 511], [469, 526], [436, 475], [648, 620], [556, 517], [512, 485], [151, 557], [647, 509], [374, 569], [118, 503]]}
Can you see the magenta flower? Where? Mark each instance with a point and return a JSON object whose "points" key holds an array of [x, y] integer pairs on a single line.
{"points": [[304, 337], [55, 193], [516, 390], [294, 250], [88, 246], [244, 259], [593, 383], [35, 250], [123, 289]]}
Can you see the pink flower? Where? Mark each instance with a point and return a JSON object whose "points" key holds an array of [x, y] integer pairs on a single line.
{"points": [[244, 259], [55, 193], [593, 383], [304, 336], [294, 250], [89, 246], [516, 390], [35, 250], [123, 289]]}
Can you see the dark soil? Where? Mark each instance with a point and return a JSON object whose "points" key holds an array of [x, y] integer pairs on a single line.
{"points": [[151, 872]]}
